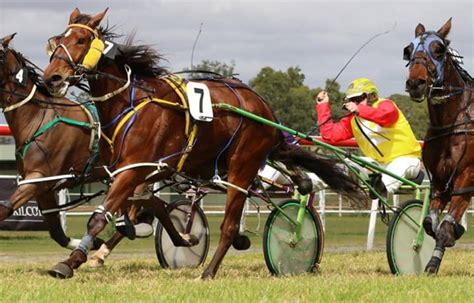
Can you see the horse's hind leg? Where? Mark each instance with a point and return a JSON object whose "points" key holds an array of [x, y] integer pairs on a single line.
{"points": [[448, 232], [98, 258], [241, 173]]}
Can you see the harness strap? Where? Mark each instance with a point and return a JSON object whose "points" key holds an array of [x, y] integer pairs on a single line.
{"points": [[49, 125], [179, 89], [189, 147], [132, 112], [22, 102], [106, 97], [462, 191]]}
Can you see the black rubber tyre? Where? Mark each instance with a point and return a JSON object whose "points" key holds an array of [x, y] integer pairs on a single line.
{"points": [[174, 257], [403, 259], [283, 257]]}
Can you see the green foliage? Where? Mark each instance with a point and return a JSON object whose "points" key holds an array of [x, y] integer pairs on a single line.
{"points": [[416, 114], [213, 66], [292, 101]]}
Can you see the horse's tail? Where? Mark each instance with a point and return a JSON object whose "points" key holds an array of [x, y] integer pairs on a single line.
{"points": [[330, 170]]}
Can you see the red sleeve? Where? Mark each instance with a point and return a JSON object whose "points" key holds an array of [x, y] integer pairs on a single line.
{"points": [[330, 131], [385, 114]]}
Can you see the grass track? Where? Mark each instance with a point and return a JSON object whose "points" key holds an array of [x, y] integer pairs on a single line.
{"points": [[132, 274]]}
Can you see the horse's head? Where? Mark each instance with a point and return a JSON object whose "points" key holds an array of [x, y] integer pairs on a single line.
{"points": [[426, 56], [74, 52], [14, 72], [5, 58]]}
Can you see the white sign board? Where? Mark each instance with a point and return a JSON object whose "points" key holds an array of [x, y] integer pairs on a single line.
{"points": [[199, 99]]}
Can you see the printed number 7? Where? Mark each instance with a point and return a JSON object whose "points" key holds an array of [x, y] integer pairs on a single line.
{"points": [[200, 91]]}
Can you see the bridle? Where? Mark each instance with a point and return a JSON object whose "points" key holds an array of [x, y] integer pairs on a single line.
{"points": [[19, 77], [424, 43], [52, 47]]}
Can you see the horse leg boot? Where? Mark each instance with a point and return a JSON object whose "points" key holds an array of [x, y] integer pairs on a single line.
{"points": [[178, 238], [448, 232], [56, 231], [116, 199]]}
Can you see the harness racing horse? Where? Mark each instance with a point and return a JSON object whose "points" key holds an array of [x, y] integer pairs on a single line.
{"points": [[435, 73], [55, 144], [48, 148], [227, 150]]}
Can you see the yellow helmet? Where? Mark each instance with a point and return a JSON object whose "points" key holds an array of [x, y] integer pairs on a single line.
{"points": [[361, 86]]}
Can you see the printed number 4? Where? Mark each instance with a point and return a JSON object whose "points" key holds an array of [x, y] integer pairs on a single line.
{"points": [[19, 76], [200, 91]]}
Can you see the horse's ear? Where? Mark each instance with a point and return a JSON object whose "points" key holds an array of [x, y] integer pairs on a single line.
{"points": [[95, 20], [444, 30], [6, 40], [75, 13], [420, 29]]}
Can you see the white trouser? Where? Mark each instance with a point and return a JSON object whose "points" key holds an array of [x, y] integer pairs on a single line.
{"points": [[406, 167], [270, 173]]}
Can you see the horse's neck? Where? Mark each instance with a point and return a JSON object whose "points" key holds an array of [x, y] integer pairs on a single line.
{"points": [[23, 120], [447, 113], [110, 108]]}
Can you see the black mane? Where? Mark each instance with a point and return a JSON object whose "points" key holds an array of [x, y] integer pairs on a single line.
{"points": [[142, 59]]}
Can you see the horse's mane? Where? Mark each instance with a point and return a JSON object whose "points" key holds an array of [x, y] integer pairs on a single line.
{"points": [[464, 73], [142, 59]]}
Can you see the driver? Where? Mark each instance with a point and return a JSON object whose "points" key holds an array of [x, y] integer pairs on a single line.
{"points": [[379, 128]]}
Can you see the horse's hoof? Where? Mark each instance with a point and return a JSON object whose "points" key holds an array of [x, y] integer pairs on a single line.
{"points": [[206, 276], [61, 271], [95, 262], [190, 240], [241, 242], [431, 269], [432, 266]]}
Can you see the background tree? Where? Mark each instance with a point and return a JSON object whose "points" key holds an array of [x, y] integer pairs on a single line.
{"points": [[416, 114], [215, 66], [291, 100]]}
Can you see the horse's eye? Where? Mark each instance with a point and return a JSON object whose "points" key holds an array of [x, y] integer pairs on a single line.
{"points": [[81, 41], [407, 51], [437, 50]]}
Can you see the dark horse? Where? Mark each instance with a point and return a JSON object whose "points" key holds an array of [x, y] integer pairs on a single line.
{"points": [[230, 146], [448, 153]]}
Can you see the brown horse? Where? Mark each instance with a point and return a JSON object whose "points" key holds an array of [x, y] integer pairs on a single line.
{"points": [[435, 73], [228, 146], [47, 148], [61, 150]]}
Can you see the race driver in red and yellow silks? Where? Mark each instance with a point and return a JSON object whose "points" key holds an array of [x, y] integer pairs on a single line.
{"points": [[379, 128]]}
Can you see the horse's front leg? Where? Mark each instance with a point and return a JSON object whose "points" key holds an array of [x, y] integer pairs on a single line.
{"points": [[120, 190], [431, 221], [448, 232], [22, 194]]}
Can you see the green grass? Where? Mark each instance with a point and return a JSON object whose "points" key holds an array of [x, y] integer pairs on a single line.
{"points": [[132, 273], [353, 277]]}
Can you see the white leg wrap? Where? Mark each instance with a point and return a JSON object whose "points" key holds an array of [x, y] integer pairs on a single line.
{"points": [[73, 243]]}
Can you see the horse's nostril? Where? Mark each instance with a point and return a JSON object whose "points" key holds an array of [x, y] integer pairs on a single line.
{"points": [[414, 83], [55, 80]]}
